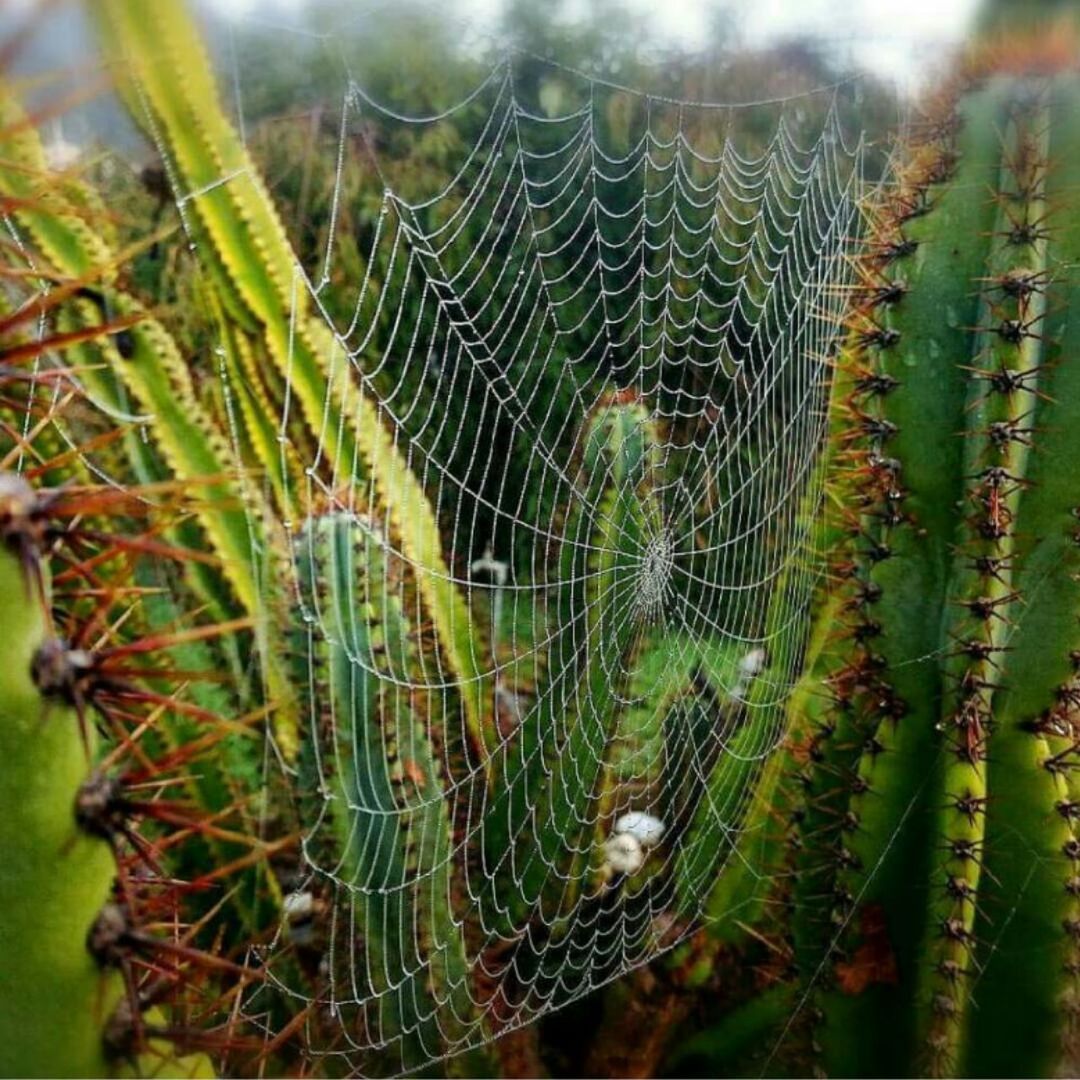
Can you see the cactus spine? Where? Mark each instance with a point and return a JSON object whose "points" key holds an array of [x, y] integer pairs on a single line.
{"points": [[938, 854]]}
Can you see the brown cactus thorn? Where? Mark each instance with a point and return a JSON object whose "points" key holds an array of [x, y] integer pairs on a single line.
{"points": [[1014, 331], [24, 522], [1004, 380], [992, 566], [867, 592], [892, 250], [1024, 233], [99, 806], [105, 940], [969, 805], [888, 293], [876, 384], [879, 337], [982, 651], [1002, 433], [1021, 283], [875, 428]]}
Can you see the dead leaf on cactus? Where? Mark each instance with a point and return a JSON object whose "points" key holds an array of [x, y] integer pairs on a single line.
{"points": [[874, 961]]}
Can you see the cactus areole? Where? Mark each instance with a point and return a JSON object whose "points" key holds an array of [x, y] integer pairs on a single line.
{"points": [[938, 843]]}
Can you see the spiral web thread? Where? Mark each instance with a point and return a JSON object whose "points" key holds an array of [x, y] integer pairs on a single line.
{"points": [[692, 276]]}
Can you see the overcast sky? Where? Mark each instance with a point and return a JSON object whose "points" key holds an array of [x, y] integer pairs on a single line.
{"points": [[901, 39]]}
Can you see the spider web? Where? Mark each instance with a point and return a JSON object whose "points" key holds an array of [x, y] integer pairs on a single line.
{"points": [[600, 341]]}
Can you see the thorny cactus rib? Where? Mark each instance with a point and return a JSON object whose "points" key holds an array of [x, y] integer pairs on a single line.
{"points": [[83, 921], [56, 877], [268, 316], [368, 745], [938, 859]]}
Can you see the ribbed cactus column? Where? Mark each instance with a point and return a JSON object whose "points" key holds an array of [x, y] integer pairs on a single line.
{"points": [[372, 786], [615, 564], [54, 878], [938, 854]]}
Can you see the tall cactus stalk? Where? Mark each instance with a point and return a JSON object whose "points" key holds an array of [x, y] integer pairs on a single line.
{"points": [[268, 312], [939, 862], [142, 370], [601, 619], [56, 877], [372, 783]]}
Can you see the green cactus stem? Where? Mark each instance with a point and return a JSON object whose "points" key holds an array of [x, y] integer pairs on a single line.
{"points": [[266, 309], [553, 774], [936, 924], [372, 786], [55, 999]]}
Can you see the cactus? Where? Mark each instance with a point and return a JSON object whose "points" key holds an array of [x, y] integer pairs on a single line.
{"points": [[101, 736], [552, 774], [379, 828], [57, 877], [545, 788], [268, 310], [126, 360], [149, 375], [935, 918], [377, 789], [81, 914]]}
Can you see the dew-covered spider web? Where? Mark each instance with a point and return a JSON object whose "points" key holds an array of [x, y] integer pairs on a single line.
{"points": [[594, 326]]}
